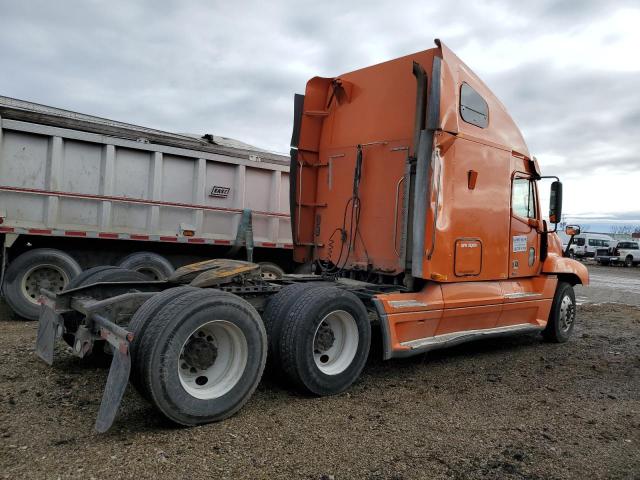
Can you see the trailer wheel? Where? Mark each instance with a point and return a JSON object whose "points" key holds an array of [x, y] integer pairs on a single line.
{"points": [[271, 271], [325, 340], [562, 316], [28, 273], [80, 279], [150, 264], [203, 356], [138, 326], [274, 314]]}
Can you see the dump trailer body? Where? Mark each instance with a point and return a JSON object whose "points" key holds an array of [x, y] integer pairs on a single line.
{"points": [[68, 174]]}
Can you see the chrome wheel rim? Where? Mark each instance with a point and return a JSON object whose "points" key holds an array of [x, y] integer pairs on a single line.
{"points": [[212, 359], [335, 342], [50, 277], [567, 313]]}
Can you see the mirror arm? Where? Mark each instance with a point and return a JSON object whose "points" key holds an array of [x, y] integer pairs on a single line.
{"points": [[566, 250]]}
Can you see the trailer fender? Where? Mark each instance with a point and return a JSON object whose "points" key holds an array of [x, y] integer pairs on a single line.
{"points": [[571, 270]]}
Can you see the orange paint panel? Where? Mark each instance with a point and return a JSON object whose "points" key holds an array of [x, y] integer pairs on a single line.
{"points": [[535, 312], [412, 326], [469, 318], [456, 212], [471, 294], [533, 288]]}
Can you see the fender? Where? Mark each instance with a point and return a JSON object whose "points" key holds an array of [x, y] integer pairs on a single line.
{"points": [[563, 266]]}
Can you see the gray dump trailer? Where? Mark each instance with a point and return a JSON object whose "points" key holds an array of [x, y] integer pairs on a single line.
{"points": [[78, 191]]}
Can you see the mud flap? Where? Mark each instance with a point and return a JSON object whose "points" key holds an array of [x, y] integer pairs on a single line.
{"points": [[114, 390], [49, 328]]}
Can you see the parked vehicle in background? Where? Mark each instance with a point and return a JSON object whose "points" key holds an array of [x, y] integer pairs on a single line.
{"points": [[78, 191], [621, 253], [586, 244]]}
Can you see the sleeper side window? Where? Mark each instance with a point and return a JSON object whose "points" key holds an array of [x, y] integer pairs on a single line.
{"points": [[473, 108], [523, 200]]}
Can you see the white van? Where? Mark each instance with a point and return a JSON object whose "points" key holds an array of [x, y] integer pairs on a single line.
{"points": [[586, 244]]}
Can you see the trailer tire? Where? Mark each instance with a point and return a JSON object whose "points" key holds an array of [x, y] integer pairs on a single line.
{"points": [[562, 315], [150, 264], [138, 326], [35, 269], [204, 354], [271, 271], [80, 279], [325, 341], [275, 312]]}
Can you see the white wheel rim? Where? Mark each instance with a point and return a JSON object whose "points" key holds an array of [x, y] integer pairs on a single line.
{"points": [[335, 342], [567, 313], [48, 276], [203, 377]]}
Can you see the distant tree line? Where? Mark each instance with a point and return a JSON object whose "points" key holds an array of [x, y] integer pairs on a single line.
{"points": [[625, 229]]}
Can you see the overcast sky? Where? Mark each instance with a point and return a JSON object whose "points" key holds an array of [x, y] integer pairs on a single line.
{"points": [[568, 71]]}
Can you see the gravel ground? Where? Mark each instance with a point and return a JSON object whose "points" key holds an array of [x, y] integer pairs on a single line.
{"points": [[507, 408]]}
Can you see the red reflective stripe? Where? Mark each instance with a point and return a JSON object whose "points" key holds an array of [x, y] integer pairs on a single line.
{"points": [[108, 235], [75, 233], [196, 240], [222, 242], [267, 244], [168, 239], [139, 237], [40, 231], [6, 229], [288, 245]]}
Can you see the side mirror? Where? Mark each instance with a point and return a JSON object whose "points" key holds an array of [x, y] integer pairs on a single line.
{"points": [[555, 202], [572, 230]]}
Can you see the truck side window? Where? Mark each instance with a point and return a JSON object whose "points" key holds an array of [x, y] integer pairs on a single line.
{"points": [[523, 198], [473, 108]]}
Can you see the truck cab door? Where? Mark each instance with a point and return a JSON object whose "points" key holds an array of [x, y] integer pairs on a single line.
{"points": [[524, 254]]}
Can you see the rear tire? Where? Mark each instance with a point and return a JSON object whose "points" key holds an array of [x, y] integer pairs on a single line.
{"points": [[203, 356], [28, 273], [151, 264], [628, 262], [325, 340], [275, 313], [562, 316], [138, 326]]}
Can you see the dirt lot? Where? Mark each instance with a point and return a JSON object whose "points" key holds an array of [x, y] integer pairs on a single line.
{"points": [[508, 408]]}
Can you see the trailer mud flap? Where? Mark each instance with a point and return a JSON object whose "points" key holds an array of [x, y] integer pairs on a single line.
{"points": [[114, 390], [49, 328]]}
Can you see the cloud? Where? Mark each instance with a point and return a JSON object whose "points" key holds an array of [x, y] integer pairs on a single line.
{"points": [[568, 72]]}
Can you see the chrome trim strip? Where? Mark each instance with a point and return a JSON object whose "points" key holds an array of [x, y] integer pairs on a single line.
{"points": [[522, 295], [406, 303], [449, 339]]}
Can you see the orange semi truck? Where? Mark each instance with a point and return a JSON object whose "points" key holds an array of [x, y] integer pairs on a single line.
{"points": [[414, 201]]}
